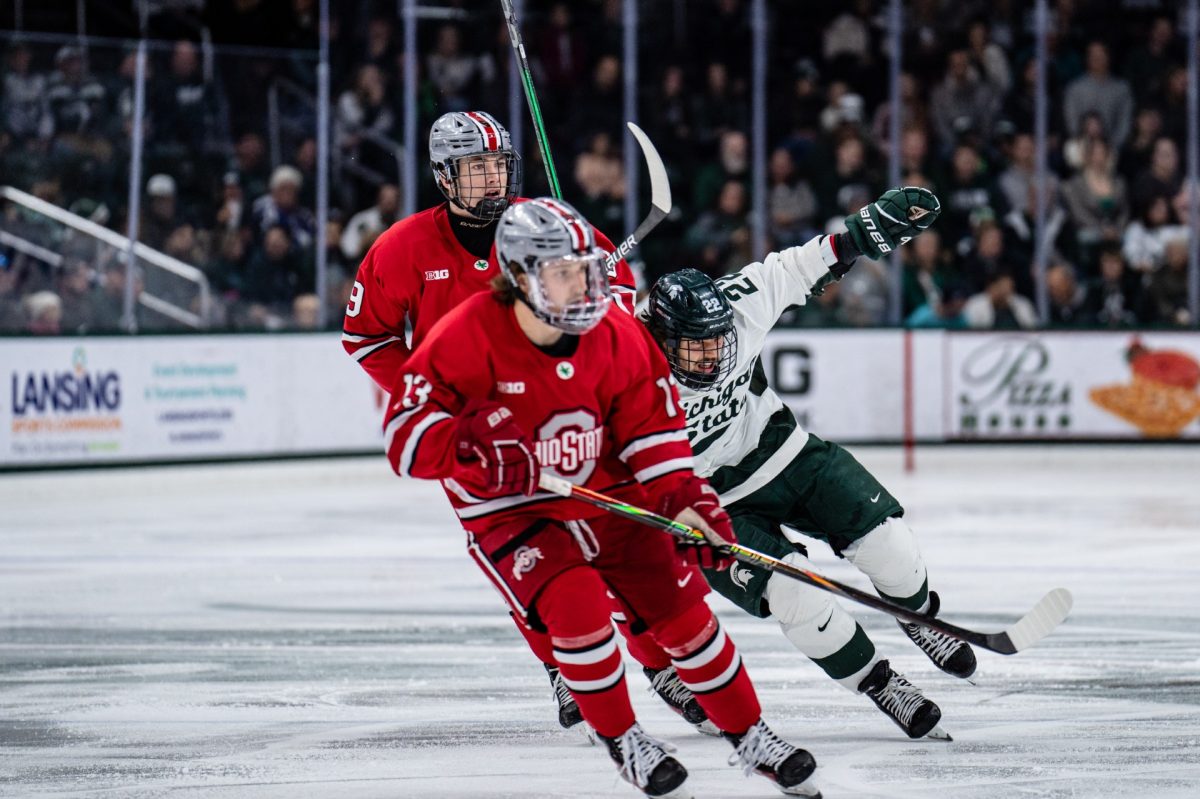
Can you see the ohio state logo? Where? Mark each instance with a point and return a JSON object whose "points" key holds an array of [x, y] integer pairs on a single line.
{"points": [[524, 559], [568, 445]]}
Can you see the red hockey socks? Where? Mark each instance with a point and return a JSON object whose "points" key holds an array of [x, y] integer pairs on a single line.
{"points": [[574, 608], [709, 664], [538, 642]]}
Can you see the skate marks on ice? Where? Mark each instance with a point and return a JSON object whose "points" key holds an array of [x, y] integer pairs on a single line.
{"points": [[314, 629]]}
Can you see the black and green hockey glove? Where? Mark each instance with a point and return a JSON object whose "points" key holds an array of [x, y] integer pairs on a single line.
{"points": [[896, 218]]}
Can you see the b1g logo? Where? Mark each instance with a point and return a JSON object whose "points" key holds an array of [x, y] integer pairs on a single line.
{"points": [[569, 443]]}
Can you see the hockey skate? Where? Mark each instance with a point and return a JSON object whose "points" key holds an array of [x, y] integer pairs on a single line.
{"points": [[644, 762], [949, 654], [666, 683], [789, 767], [569, 713], [902, 702]]}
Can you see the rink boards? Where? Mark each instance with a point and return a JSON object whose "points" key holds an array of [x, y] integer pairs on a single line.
{"points": [[173, 398]]}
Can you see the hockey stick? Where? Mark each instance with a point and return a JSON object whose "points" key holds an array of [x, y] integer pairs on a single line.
{"points": [[1039, 622], [660, 197], [535, 110]]}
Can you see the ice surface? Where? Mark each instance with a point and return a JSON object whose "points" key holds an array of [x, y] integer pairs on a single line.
{"points": [[315, 629]]}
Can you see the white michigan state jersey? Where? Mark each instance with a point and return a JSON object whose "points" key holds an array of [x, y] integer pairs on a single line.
{"points": [[724, 423]]}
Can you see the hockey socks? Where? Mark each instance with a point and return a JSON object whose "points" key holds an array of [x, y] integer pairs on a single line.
{"points": [[709, 664], [574, 609]]}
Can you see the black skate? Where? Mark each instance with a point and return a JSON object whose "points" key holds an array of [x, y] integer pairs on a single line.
{"points": [[569, 713], [901, 701], [761, 750], [949, 654], [666, 683], [644, 763]]}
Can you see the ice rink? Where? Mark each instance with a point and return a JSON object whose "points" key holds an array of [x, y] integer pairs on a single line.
{"points": [[315, 629]]}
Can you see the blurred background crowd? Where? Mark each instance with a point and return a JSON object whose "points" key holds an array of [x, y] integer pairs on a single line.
{"points": [[228, 174]]}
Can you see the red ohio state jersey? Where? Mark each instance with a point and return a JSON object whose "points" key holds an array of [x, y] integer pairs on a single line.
{"points": [[418, 271], [606, 416]]}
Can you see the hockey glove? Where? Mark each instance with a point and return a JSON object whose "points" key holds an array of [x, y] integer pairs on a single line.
{"points": [[696, 504], [896, 218], [490, 438]]}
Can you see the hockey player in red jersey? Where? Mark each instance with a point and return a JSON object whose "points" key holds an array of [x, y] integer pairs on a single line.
{"points": [[426, 264], [538, 375]]}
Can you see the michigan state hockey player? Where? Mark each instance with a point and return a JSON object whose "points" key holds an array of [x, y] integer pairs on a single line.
{"points": [[775, 478]]}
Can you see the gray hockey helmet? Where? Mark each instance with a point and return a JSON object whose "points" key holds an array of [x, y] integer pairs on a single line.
{"points": [[461, 135], [692, 322], [549, 242]]}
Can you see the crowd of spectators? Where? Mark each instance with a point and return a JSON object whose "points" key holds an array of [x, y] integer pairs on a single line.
{"points": [[227, 192]]}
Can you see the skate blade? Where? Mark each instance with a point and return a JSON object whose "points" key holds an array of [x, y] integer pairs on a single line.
{"points": [[938, 734], [706, 727], [807, 788], [585, 730]]}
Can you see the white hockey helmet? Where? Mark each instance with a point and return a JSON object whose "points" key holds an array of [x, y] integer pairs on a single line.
{"points": [[463, 134], [547, 240]]}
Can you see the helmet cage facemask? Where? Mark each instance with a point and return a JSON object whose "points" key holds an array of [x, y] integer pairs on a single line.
{"points": [[451, 177], [672, 346], [576, 317]]}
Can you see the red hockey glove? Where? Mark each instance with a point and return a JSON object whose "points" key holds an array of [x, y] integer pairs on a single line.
{"points": [[488, 435], [696, 504]]}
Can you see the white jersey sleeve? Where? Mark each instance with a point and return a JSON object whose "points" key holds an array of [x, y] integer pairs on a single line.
{"points": [[762, 291]]}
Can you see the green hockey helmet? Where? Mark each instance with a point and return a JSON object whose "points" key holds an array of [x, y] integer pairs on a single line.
{"points": [[692, 322]]}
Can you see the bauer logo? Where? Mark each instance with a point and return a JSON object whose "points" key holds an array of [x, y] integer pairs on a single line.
{"points": [[73, 390], [1006, 387]]}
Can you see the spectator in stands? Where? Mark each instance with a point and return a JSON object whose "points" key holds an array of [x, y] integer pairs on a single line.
{"points": [[1075, 148], [717, 110], [275, 273], [849, 169], [669, 116], [74, 288], [733, 163], [969, 193], [915, 156], [23, 110], [185, 103], [1096, 200], [162, 213], [962, 101], [1148, 66], [1014, 182], [914, 117], [305, 312], [944, 310], [108, 298], [562, 53], [1099, 91], [925, 272], [1139, 150], [78, 103], [10, 294], [455, 74], [43, 313], [1114, 298], [281, 207], [1020, 227], [592, 112], [250, 164], [365, 226], [1068, 306], [988, 58], [1162, 178], [791, 204], [1145, 240], [999, 307], [600, 176], [1167, 293], [720, 239]]}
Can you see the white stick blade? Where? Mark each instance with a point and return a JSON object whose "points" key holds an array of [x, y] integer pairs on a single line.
{"points": [[660, 185], [1047, 614], [555, 485]]}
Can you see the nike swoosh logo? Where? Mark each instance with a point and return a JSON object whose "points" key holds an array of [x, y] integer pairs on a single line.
{"points": [[684, 581], [821, 627], [875, 498]]}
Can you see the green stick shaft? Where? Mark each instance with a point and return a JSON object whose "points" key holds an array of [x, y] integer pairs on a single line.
{"points": [[535, 110]]}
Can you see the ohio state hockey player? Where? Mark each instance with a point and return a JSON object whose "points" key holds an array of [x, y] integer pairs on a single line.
{"points": [[427, 264], [772, 474], [537, 375]]}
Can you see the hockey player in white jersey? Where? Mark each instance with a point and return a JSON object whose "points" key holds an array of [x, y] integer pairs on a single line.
{"points": [[775, 478]]}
